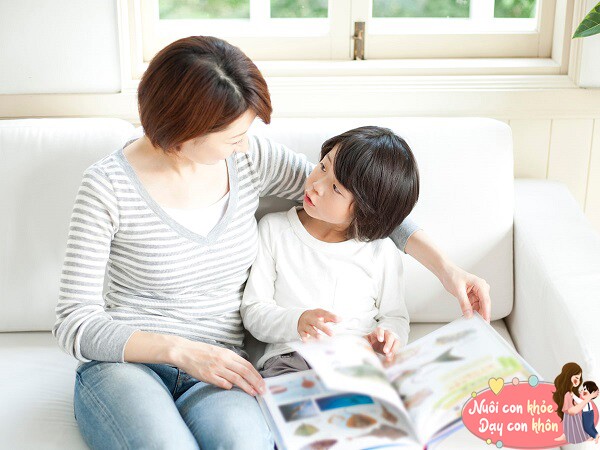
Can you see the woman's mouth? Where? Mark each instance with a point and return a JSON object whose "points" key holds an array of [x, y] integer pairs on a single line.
{"points": [[308, 201]]}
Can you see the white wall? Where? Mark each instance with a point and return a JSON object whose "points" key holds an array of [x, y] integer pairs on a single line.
{"points": [[59, 46]]}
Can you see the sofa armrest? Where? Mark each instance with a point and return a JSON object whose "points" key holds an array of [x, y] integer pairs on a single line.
{"points": [[556, 314]]}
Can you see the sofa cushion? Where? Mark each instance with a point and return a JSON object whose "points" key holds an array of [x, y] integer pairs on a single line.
{"points": [[42, 164], [37, 383]]}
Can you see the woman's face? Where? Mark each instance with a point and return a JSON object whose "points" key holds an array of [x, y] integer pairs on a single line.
{"points": [[214, 147], [324, 197], [575, 380]]}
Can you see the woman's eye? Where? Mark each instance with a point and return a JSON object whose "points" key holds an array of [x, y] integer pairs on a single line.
{"points": [[322, 167]]}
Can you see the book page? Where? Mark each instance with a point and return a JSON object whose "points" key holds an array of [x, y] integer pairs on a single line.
{"points": [[436, 374], [348, 363], [305, 414]]}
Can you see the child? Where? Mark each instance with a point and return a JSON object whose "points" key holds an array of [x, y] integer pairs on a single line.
{"points": [[329, 265], [587, 390]]}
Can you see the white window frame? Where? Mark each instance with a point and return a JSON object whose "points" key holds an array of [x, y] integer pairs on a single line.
{"points": [[480, 36], [261, 39], [329, 54]]}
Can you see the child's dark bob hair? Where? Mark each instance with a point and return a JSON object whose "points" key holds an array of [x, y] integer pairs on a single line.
{"points": [[380, 170], [590, 386]]}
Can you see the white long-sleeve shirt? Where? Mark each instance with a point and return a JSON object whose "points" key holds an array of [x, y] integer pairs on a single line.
{"points": [[362, 282]]}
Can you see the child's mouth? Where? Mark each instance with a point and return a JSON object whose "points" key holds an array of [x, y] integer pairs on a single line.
{"points": [[308, 200]]}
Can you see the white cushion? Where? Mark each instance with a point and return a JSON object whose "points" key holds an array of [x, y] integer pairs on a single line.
{"points": [[36, 391], [557, 280], [42, 164]]}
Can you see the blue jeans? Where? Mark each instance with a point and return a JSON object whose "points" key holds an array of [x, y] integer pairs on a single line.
{"points": [[152, 406]]}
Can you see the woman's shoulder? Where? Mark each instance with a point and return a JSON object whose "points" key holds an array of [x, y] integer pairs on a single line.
{"points": [[105, 165], [105, 174]]}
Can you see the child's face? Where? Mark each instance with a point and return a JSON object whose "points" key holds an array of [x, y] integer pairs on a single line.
{"points": [[583, 393], [325, 198]]}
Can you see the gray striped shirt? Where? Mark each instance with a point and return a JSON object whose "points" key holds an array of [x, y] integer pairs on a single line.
{"points": [[160, 276]]}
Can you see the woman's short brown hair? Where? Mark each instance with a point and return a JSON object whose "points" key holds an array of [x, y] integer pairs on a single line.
{"points": [[198, 85], [378, 167]]}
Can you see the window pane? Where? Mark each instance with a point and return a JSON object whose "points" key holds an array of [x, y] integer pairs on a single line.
{"points": [[298, 8], [515, 9], [204, 9], [421, 8]]}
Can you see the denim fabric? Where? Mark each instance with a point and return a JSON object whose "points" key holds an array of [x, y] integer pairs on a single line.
{"points": [[157, 406], [588, 423]]}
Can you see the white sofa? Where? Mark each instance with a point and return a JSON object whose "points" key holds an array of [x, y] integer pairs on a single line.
{"points": [[543, 268]]}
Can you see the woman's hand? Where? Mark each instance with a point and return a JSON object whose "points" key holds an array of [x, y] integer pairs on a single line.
{"points": [[384, 342], [313, 320], [217, 365], [472, 292], [209, 363]]}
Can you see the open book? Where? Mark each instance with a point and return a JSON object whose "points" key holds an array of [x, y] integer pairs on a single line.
{"points": [[353, 399]]}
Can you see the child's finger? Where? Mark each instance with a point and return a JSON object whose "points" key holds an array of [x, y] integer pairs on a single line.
{"points": [[328, 316], [389, 341], [324, 328], [380, 334], [310, 331], [316, 333]]}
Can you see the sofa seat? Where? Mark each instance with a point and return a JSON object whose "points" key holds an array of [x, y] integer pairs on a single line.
{"points": [[36, 391]]}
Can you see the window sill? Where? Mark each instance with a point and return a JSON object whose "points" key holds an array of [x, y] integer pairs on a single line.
{"points": [[410, 67]]}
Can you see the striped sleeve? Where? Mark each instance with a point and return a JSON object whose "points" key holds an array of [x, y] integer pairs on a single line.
{"points": [[401, 234], [278, 170], [83, 328]]}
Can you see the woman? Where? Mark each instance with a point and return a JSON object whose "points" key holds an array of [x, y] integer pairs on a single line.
{"points": [[569, 404], [171, 218]]}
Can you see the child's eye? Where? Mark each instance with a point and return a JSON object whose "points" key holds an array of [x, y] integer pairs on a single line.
{"points": [[336, 189], [322, 167]]}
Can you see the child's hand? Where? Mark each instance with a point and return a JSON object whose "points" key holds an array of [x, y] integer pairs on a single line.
{"points": [[313, 320], [384, 342]]}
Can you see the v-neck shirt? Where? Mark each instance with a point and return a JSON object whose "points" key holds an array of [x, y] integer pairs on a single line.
{"points": [[200, 220]]}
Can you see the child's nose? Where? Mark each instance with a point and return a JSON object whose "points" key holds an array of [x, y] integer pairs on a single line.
{"points": [[318, 187]]}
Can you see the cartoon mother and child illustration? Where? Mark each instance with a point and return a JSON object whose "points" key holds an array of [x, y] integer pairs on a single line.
{"points": [[576, 408]]}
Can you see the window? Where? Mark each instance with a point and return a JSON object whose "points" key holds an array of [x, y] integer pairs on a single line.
{"points": [[321, 29], [459, 29], [314, 37], [263, 29]]}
